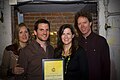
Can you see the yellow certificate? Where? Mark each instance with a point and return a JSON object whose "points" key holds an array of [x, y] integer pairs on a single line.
{"points": [[52, 69]]}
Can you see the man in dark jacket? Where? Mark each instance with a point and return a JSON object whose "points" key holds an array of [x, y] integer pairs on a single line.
{"points": [[31, 56], [96, 47]]}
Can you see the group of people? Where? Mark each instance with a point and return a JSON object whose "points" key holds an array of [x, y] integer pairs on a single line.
{"points": [[86, 56]]}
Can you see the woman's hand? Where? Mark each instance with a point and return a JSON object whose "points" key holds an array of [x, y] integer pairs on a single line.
{"points": [[17, 70]]}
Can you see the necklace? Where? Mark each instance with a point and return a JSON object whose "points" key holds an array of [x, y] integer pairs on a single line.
{"points": [[67, 59], [67, 62]]}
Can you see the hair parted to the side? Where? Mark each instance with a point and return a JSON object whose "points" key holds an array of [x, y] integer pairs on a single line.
{"points": [[60, 32], [16, 40], [41, 21]]}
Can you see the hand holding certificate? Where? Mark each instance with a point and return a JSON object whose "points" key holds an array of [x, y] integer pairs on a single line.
{"points": [[52, 69]]}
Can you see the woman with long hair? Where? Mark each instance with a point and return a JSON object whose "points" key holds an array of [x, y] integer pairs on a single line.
{"points": [[9, 64], [75, 61]]}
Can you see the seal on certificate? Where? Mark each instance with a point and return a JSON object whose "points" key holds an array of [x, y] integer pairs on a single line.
{"points": [[53, 69]]}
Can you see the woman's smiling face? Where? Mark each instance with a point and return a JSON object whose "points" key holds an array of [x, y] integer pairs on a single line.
{"points": [[67, 36]]}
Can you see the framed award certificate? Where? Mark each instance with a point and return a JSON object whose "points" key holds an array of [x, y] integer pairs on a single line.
{"points": [[52, 69]]}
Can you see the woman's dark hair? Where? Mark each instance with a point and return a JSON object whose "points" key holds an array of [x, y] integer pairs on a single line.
{"points": [[82, 13], [60, 32]]}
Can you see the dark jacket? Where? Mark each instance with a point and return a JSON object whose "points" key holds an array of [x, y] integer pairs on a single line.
{"points": [[31, 60], [98, 55], [77, 68], [9, 60]]}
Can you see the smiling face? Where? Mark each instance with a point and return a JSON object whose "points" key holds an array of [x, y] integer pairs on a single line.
{"points": [[84, 26], [67, 36], [23, 34], [42, 32]]}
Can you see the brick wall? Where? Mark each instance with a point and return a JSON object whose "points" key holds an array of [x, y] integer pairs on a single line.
{"points": [[56, 19]]}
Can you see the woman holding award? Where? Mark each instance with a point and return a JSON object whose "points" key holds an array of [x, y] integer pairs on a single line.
{"points": [[75, 61]]}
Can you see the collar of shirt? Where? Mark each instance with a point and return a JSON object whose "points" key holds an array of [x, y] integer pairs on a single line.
{"points": [[88, 37]]}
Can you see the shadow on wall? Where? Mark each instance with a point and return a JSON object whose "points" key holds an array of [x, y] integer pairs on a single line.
{"points": [[0, 73], [113, 71]]}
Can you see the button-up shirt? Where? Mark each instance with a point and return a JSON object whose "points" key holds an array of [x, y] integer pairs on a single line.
{"points": [[97, 51]]}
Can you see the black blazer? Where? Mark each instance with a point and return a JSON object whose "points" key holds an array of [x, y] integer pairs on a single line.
{"points": [[77, 68]]}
